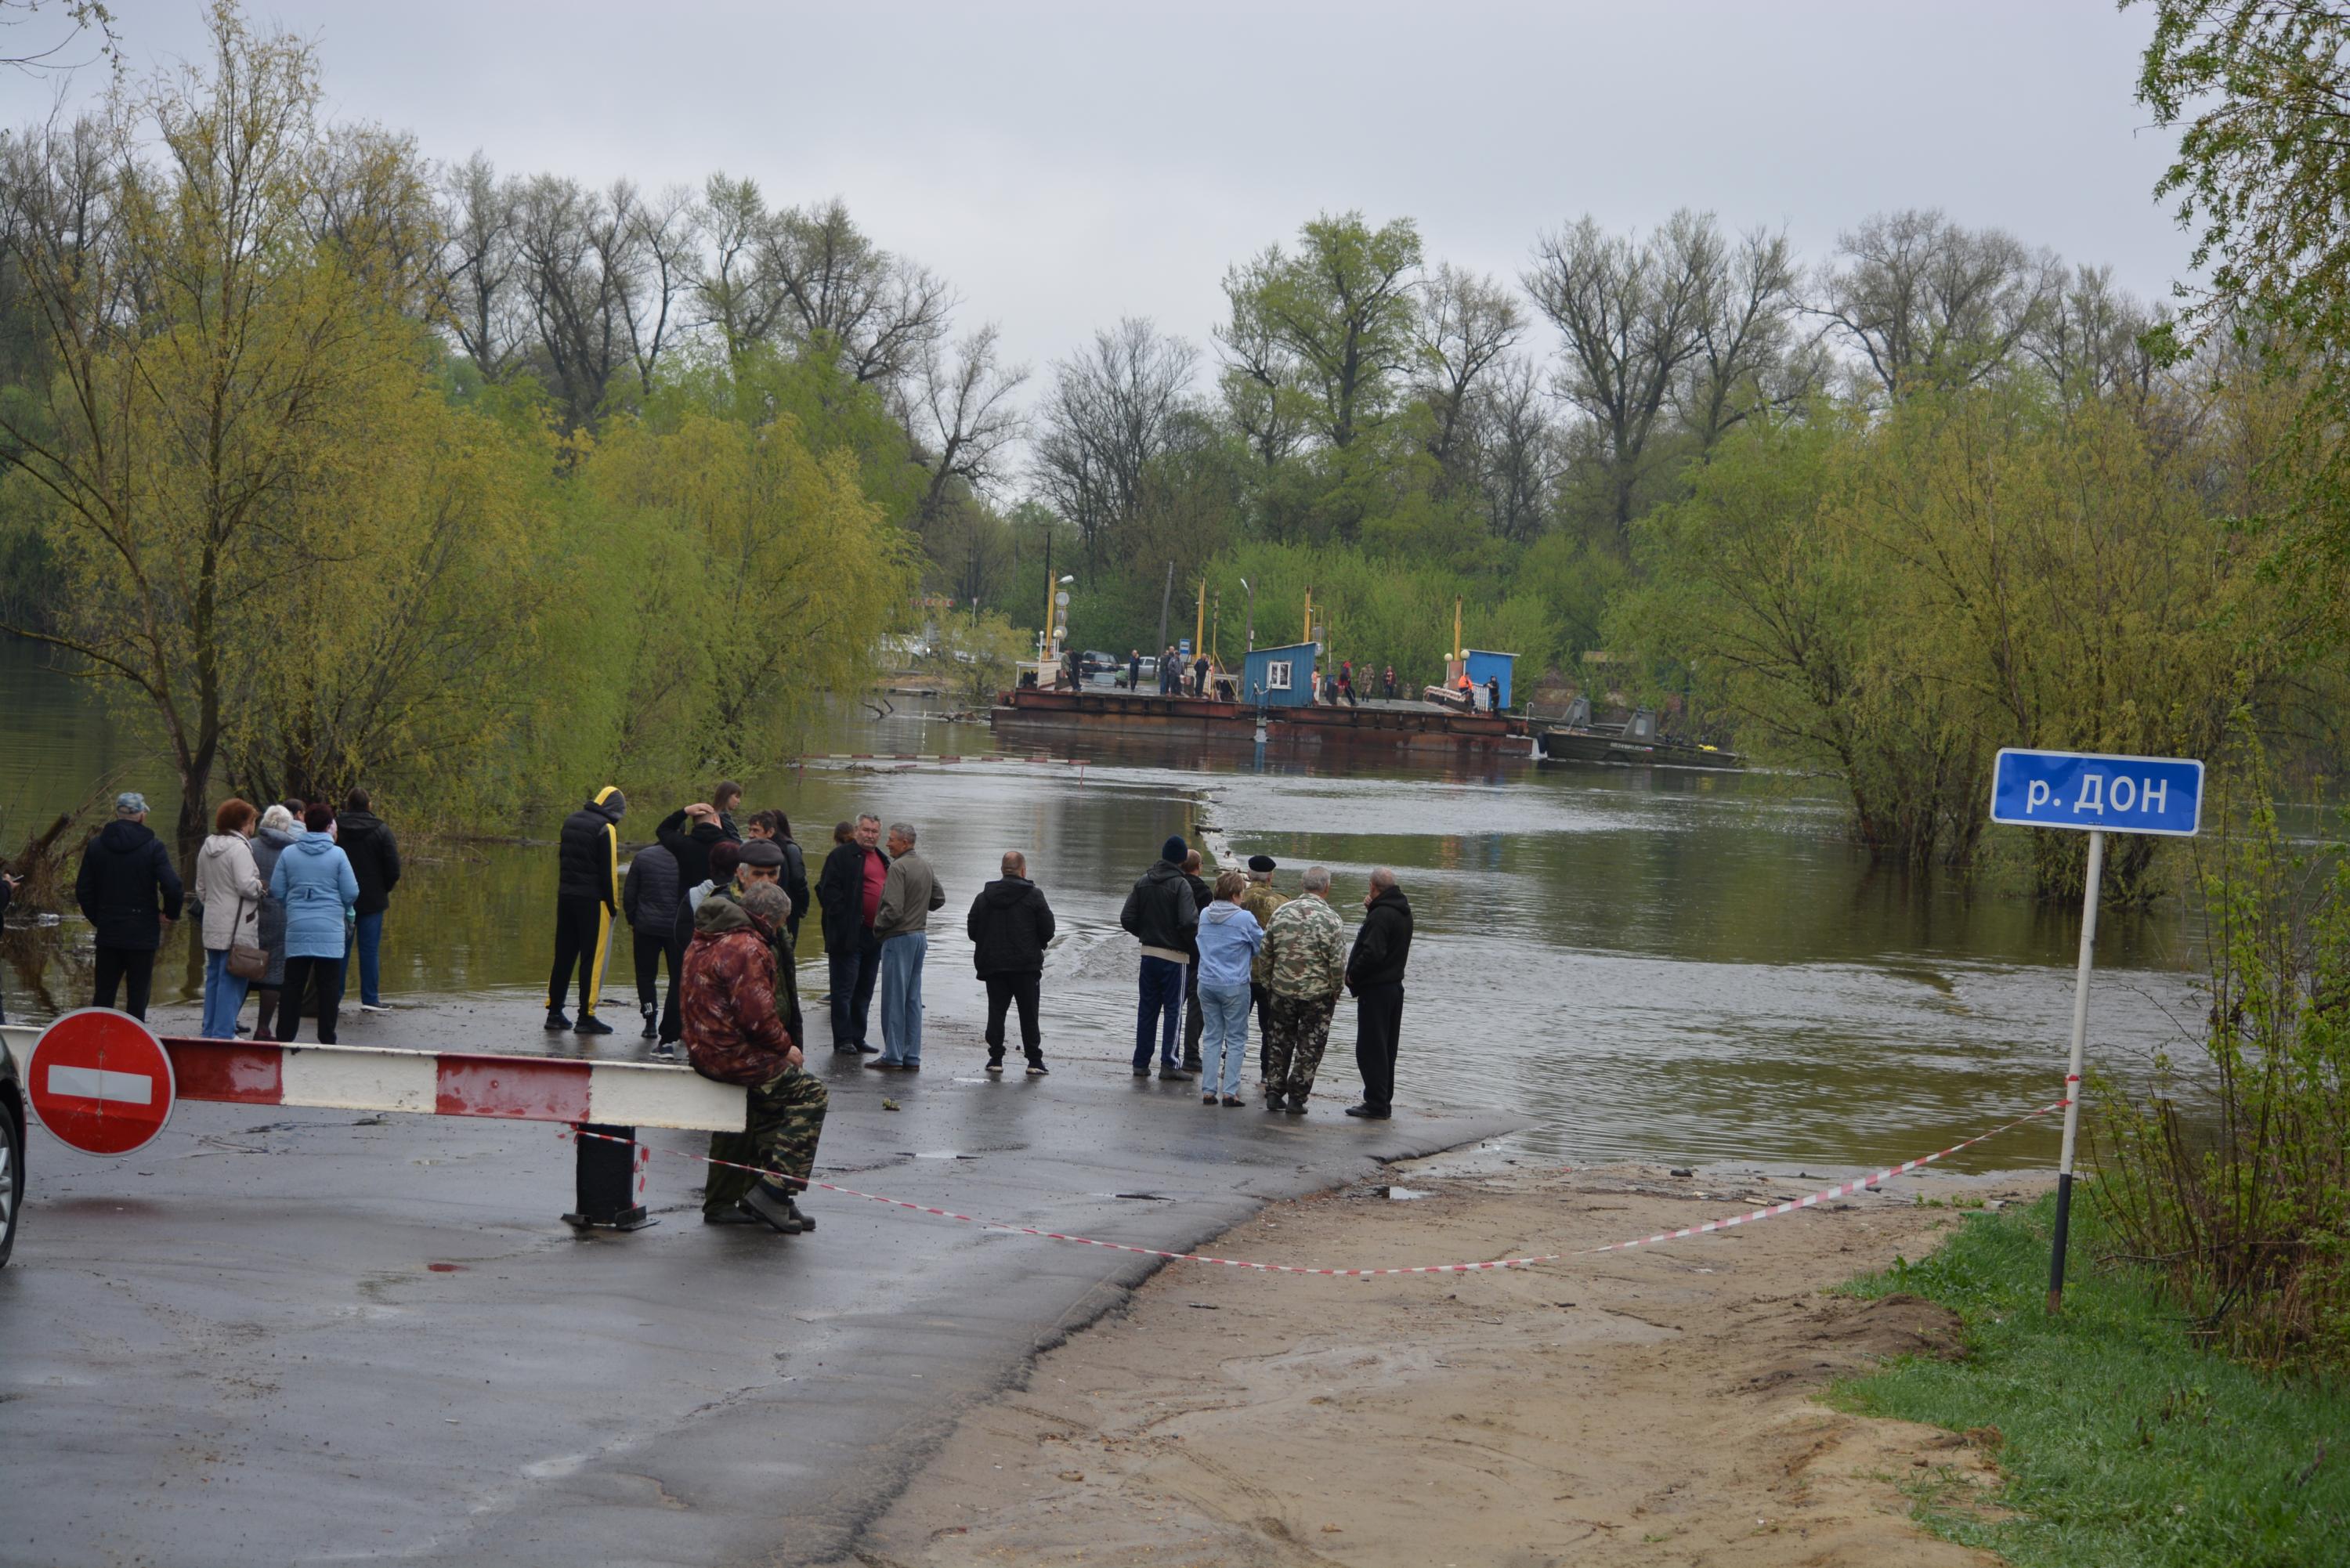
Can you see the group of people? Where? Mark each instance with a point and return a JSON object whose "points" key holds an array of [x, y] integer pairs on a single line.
{"points": [[1211, 953], [288, 897]]}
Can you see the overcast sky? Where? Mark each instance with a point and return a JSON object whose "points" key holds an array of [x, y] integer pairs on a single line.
{"points": [[1066, 164]]}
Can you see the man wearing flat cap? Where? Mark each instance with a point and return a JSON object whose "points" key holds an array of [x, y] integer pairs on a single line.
{"points": [[761, 861], [130, 893], [1260, 900]]}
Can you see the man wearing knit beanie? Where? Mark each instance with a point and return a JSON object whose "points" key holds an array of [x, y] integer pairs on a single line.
{"points": [[1160, 913]]}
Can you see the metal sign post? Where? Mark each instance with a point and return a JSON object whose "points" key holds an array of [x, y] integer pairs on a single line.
{"points": [[2096, 794]]}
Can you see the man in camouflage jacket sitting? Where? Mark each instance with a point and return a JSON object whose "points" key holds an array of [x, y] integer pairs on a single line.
{"points": [[1304, 956], [734, 1034]]}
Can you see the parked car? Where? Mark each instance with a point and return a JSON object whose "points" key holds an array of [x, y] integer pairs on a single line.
{"points": [[12, 1150], [1094, 661]]}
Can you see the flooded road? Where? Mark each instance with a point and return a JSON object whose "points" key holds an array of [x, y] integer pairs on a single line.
{"points": [[1646, 963]]}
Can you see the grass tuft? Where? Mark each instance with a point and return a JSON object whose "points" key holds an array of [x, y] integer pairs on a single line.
{"points": [[2119, 1438]]}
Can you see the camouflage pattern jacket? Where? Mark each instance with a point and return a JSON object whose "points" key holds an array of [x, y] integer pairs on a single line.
{"points": [[1261, 900], [732, 1031], [1305, 949]]}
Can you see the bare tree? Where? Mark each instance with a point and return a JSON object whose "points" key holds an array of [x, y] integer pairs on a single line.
{"points": [[662, 262], [963, 417], [1513, 451], [568, 242], [1926, 303], [2086, 339], [1748, 357], [740, 292], [1112, 412], [877, 312], [1631, 314], [480, 263], [1467, 323]]}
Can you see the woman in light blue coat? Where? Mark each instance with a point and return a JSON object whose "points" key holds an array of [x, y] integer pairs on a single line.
{"points": [[315, 881], [1229, 937]]}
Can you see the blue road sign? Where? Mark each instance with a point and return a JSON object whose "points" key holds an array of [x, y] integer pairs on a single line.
{"points": [[2093, 793]]}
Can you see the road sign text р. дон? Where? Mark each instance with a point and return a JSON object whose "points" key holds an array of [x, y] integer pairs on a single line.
{"points": [[2097, 794]]}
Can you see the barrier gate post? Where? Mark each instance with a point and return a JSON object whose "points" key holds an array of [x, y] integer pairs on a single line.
{"points": [[606, 1179]]}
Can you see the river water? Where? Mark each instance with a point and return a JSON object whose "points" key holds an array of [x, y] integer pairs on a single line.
{"points": [[1649, 963]]}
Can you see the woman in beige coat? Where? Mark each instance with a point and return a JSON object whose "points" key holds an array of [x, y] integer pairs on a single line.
{"points": [[230, 886]]}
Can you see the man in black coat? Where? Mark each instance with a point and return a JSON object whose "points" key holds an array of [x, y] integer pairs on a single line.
{"points": [[1161, 915], [1009, 925], [374, 855], [1375, 974], [587, 897], [130, 894], [650, 895], [848, 890]]}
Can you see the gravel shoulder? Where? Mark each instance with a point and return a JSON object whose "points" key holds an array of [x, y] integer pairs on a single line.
{"points": [[1654, 1406]]}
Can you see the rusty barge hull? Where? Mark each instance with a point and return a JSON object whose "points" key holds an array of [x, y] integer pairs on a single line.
{"points": [[1407, 727]]}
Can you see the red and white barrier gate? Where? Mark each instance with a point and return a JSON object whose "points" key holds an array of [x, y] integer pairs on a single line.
{"points": [[610, 1097]]}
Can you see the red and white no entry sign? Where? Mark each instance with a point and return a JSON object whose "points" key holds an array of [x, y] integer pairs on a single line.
{"points": [[100, 1081]]}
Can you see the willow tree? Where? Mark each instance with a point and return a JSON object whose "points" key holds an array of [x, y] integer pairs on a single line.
{"points": [[760, 575], [200, 321]]}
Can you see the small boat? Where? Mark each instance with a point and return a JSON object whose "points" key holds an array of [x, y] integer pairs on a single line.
{"points": [[1634, 743]]}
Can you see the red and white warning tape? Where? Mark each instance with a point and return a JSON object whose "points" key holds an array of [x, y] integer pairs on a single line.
{"points": [[1790, 1206]]}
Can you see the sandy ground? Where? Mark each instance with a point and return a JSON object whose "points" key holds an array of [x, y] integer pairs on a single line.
{"points": [[1655, 1407]]}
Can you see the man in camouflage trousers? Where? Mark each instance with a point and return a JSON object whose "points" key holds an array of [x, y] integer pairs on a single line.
{"points": [[1261, 900], [1305, 967], [734, 1034]]}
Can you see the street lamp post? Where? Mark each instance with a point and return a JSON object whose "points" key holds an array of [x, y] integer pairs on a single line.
{"points": [[1252, 615]]}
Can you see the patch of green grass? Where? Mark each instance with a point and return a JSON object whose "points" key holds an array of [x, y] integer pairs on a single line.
{"points": [[2124, 1442]]}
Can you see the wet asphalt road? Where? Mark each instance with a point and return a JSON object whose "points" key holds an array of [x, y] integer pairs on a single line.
{"points": [[306, 1336]]}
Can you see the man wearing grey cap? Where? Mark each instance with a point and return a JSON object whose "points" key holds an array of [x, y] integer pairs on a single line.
{"points": [[130, 894]]}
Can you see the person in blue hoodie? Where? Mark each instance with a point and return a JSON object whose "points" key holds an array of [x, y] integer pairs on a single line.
{"points": [[313, 881], [1229, 937]]}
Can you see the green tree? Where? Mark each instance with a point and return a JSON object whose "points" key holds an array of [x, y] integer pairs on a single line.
{"points": [[1332, 321], [203, 352]]}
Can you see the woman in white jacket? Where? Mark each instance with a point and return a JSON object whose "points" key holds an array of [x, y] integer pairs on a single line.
{"points": [[230, 885]]}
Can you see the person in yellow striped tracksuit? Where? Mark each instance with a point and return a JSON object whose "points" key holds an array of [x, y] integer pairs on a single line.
{"points": [[586, 895]]}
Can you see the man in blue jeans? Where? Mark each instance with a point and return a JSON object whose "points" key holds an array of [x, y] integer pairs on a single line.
{"points": [[1161, 915], [910, 892], [374, 854]]}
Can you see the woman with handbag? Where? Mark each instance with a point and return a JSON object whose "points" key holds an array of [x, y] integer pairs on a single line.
{"points": [[230, 885]]}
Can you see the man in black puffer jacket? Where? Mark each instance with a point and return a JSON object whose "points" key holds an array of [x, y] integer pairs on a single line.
{"points": [[1375, 974], [125, 873], [1160, 914], [1009, 925], [586, 896], [374, 855]]}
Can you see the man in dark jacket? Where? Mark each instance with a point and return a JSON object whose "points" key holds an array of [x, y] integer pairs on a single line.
{"points": [[1161, 915], [648, 897], [848, 890], [1375, 974], [374, 855], [587, 897], [689, 834], [7, 893], [130, 893], [1009, 925]]}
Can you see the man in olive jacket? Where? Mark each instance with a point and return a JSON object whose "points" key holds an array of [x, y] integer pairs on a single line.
{"points": [[910, 892], [1375, 974], [1009, 926]]}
